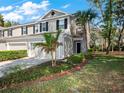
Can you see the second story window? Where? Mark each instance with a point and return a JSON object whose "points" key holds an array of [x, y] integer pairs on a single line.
{"points": [[36, 28], [45, 26], [24, 30], [1, 33], [62, 24], [10, 32]]}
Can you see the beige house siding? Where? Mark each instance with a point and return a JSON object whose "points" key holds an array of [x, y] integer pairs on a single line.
{"points": [[3, 46], [30, 29], [17, 45], [16, 32]]}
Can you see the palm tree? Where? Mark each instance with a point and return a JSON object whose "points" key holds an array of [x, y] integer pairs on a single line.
{"points": [[1, 21], [50, 45], [83, 18]]}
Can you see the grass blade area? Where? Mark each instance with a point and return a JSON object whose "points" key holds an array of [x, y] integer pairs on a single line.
{"points": [[103, 74]]}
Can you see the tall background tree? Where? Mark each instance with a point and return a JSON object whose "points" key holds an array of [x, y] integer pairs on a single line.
{"points": [[119, 20], [83, 18], [10, 23], [1, 20], [105, 8]]}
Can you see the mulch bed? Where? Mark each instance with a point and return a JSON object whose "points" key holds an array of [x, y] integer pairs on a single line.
{"points": [[67, 72], [50, 77]]}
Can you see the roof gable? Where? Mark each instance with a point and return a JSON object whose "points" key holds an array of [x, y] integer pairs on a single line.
{"points": [[53, 13]]}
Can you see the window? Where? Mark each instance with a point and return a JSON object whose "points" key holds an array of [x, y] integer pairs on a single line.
{"points": [[24, 30], [36, 28], [1, 33], [10, 32], [40, 27], [45, 26], [61, 24], [53, 13]]}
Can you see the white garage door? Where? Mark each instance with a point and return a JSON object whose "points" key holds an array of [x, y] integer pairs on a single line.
{"points": [[3, 46], [17, 46]]}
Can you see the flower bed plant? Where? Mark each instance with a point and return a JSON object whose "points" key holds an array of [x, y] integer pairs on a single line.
{"points": [[76, 58], [11, 55]]}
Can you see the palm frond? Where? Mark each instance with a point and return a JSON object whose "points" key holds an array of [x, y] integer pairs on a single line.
{"points": [[40, 44], [58, 34]]}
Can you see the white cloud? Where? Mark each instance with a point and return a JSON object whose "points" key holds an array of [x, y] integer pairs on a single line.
{"points": [[27, 11], [35, 17], [30, 8], [66, 6], [8, 8], [13, 17]]}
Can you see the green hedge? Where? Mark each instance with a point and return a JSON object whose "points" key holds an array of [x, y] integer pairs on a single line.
{"points": [[76, 58], [89, 54], [10, 55]]}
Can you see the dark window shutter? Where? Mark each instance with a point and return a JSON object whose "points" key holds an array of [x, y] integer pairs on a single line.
{"points": [[3, 33], [8, 32], [11, 32], [26, 30], [40, 27], [65, 23], [33, 29], [57, 24], [22, 30], [46, 26]]}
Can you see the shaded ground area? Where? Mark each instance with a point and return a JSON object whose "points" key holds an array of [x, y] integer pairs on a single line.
{"points": [[104, 74]]}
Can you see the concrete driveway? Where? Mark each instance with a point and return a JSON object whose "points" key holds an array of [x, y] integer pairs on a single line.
{"points": [[7, 67]]}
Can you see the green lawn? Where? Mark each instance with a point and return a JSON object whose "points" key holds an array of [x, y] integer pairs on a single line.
{"points": [[102, 75]]}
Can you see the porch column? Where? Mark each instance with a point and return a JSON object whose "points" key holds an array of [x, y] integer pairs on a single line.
{"points": [[7, 45], [29, 48]]}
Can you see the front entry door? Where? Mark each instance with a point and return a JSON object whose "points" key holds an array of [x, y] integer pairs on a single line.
{"points": [[78, 47]]}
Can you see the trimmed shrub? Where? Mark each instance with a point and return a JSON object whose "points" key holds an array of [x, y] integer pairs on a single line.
{"points": [[11, 55], [89, 54], [76, 58]]}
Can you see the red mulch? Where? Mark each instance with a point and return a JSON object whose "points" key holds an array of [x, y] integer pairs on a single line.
{"points": [[67, 72]]}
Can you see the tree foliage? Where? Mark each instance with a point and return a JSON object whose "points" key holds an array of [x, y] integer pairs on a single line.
{"points": [[82, 19], [1, 20]]}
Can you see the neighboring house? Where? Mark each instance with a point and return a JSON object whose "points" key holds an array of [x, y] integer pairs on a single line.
{"points": [[23, 37]]}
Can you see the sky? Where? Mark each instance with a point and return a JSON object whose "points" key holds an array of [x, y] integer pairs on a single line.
{"points": [[24, 11]]}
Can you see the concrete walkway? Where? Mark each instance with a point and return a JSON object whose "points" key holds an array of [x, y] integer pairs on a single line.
{"points": [[7, 67]]}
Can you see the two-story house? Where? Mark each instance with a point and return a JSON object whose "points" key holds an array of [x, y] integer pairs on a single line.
{"points": [[23, 37]]}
